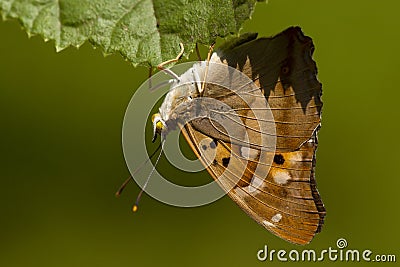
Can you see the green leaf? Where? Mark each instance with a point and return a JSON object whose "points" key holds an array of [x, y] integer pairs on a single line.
{"points": [[143, 31]]}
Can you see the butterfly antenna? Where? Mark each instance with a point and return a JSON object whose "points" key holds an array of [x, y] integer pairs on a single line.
{"points": [[130, 178], [135, 207], [208, 64]]}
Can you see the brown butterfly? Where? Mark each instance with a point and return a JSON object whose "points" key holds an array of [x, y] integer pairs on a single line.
{"points": [[277, 189]]}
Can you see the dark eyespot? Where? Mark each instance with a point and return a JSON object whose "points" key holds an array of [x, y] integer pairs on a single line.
{"points": [[225, 162], [278, 159], [204, 147], [213, 144], [285, 70]]}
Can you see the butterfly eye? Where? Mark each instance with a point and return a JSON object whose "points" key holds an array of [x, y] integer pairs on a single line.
{"points": [[158, 125]]}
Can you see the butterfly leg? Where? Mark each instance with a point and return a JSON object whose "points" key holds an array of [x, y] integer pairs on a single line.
{"points": [[210, 50], [208, 63], [162, 68]]}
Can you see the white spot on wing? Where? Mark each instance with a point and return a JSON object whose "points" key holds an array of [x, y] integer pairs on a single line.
{"points": [[281, 177], [254, 184], [296, 156], [276, 218], [248, 153], [267, 223]]}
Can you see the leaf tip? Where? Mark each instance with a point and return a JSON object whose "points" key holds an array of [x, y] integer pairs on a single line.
{"points": [[106, 54], [59, 48]]}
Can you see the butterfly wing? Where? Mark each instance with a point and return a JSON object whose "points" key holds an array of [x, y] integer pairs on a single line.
{"points": [[283, 198]]}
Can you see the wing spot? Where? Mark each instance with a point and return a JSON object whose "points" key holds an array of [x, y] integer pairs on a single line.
{"points": [[248, 153], [267, 223], [255, 184], [213, 144], [281, 177], [295, 156], [279, 159], [276, 218], [204, 147], [285, 69], [225, 162]]}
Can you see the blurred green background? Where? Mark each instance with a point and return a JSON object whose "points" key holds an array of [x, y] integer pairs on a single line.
{"points": [[61, 158]]}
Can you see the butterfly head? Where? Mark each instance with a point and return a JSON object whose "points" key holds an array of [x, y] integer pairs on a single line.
{"points": [[178, 100], [159, 125]]}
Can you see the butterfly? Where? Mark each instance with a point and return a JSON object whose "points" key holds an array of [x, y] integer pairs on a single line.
{"points": [[276, 188]]}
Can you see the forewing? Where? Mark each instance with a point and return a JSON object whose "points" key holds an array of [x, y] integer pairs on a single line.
{"points": [[283, 68]]}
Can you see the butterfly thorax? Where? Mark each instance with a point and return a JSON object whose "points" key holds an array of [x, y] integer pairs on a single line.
{"points": [[178, 99]]}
